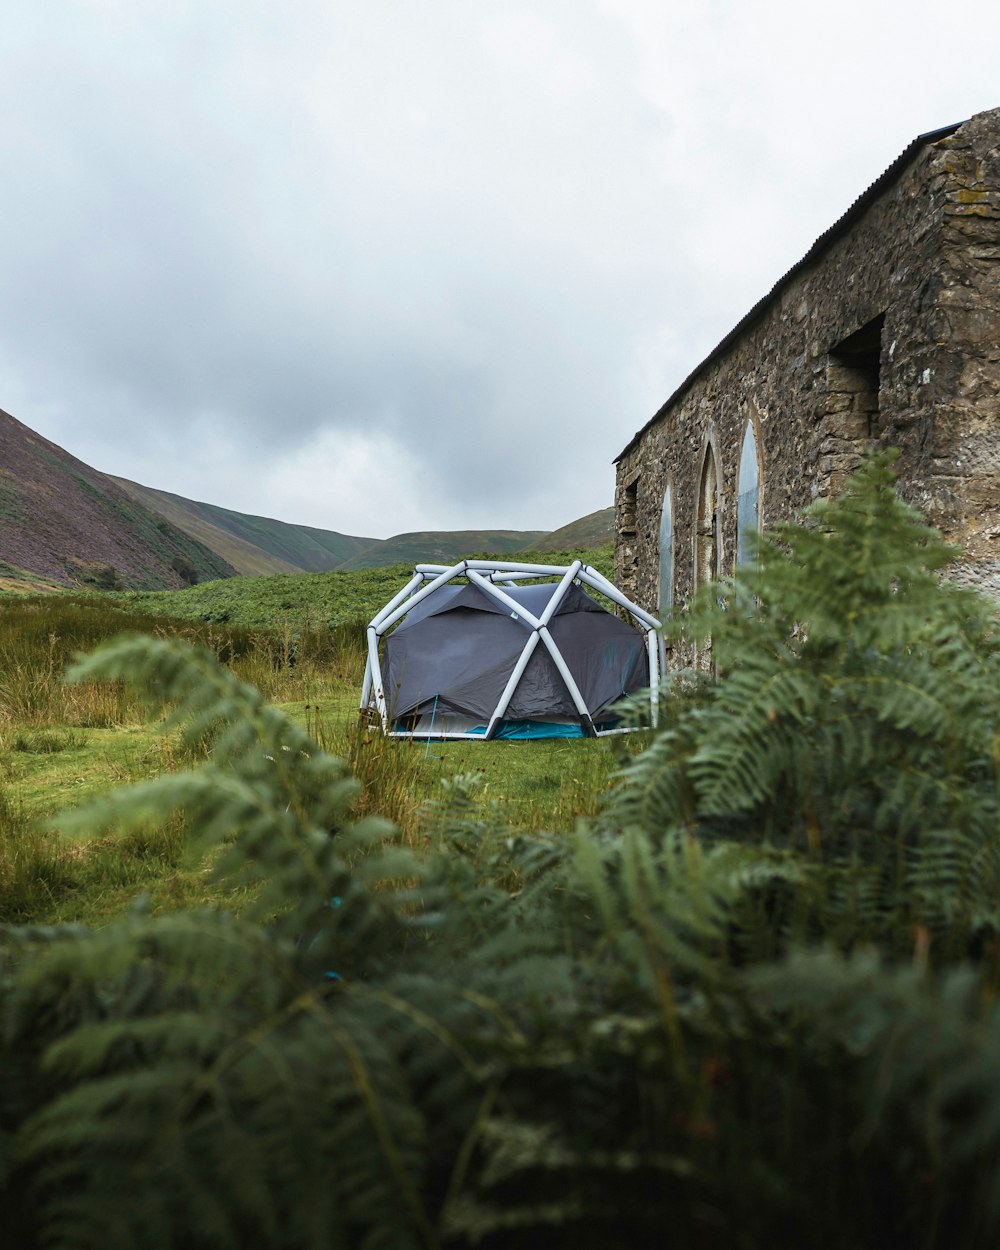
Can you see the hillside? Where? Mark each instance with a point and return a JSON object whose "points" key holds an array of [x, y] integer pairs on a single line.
{"points": [[64, 523], [593, 530], [440, 547], [253, 545], [290, 601], [256, 545]]}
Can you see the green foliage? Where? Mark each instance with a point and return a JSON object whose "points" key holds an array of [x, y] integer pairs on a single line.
{"points": [[94, 573], [753, 1003], [39, 636], [62, 744], [30, 870], [185, 570], [308, 600], [853, 721]]}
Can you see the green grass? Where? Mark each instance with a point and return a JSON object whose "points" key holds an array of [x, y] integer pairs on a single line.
{"points": [[531, 786], [299, 640], [317, 600], [534, 785]]}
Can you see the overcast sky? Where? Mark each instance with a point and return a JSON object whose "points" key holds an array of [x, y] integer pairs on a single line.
{"points": [[381, 265]]}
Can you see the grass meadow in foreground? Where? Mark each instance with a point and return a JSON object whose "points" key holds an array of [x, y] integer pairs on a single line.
{"points": [[63, 744]]}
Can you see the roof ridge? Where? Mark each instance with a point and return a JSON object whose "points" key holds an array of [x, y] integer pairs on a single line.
{"points": [[839, 227]]}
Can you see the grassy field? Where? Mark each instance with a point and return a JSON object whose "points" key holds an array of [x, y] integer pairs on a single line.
{"points": [[292, 602], [299, 640]]}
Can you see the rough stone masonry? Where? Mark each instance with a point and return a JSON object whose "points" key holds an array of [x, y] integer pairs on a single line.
{"points": [[885, 334]]}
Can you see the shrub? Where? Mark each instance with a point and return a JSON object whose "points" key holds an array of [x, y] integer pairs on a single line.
{"points": [[185, 570]]}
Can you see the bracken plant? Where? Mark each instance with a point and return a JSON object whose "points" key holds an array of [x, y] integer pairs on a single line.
{"points": [[752, 1002]]}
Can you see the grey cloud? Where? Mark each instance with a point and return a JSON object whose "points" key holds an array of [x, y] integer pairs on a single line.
{"points": [[453, 226]]}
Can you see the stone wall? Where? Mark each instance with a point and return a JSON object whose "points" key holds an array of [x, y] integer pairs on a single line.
{"points": [[887, 336]]}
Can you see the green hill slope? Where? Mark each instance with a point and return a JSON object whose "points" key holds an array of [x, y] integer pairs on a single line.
{"points": [[313, 599], [441, 547], [256, 545], [69, 524], [252, 544], [593, 530]]}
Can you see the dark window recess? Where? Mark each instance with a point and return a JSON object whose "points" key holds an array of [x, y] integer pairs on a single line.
{"points": [[630, 502], [854, 371]]}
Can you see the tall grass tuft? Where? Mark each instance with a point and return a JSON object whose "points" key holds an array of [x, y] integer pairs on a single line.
{"points": [[40, 636], [31, 869], [388, 769]]}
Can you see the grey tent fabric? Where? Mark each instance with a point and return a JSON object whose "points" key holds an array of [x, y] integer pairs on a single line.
{"points": [[463, 651], [456, 650], [493, 648]]}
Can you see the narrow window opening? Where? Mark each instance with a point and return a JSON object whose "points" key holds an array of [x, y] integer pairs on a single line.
{"points": [[748, 497], [855, 372], [626, 544], [629, 507], [707, 535], [851, 421], [666, 598]]}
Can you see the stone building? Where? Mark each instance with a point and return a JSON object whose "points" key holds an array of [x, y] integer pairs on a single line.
{"points": [[885, 334]]}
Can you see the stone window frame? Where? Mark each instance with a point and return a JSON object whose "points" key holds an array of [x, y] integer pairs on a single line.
{"points": [[856, 362], [713, 547], [668, 495], [851, 420], [752, 423]]}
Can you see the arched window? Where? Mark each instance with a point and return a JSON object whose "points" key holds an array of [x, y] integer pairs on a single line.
{"points": [[666, 600], [707, 536], [748, 501]]}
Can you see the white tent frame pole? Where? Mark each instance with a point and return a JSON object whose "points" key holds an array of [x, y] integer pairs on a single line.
{"points": [[529, 648], [394, 603], [499, 566], [652, 643], [512, 682], [604, 587], [559, 594], [386, 619], [501, 596], [373, 668], [376, 675], [557, 659]]}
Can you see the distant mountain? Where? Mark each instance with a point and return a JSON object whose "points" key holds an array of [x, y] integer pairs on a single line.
{"points": [[440, 547], [63, 523], [253, 545]]}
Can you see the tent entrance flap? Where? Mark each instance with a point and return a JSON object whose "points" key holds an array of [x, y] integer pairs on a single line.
{"points": [[497, 649]]}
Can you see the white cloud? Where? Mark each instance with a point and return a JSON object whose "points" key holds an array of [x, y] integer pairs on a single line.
{"points": [[348, 474], [243, 241]]}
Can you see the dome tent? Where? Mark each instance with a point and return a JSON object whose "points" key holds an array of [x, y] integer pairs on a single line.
{"points": [[487, 649]]}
